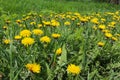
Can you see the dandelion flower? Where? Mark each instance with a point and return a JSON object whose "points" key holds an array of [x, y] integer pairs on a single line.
{"points": [[58, 51], [101, 44], [55, 35], [37, 32], [67, 23], [108, 35], [102, 27], [17, 37], [7, 41], [73, 69], [32, 23], [18, 21], [95, 20], [27, 41], [36, 68], [25, 33], [114, 39], [45, 39]]}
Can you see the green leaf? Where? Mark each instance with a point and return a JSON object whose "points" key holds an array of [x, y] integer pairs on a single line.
{"points": [[63, 57], [49, 72]]}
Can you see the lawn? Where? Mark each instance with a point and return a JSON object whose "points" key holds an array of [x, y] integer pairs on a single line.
{"points": [[59, 40]]}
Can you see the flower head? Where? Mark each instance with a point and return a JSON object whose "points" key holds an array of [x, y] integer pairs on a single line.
{"points": [[25, 33], [17, 37], [58, 51], [73, 69], [95, 20], [6, 41], [114, 39], [36, 68], [67, 23], [101, 44], [55, 35], [101, 27], [27, 41], [108, 35], [37, 32], [55, 23], [32, 23], [45, 39]]}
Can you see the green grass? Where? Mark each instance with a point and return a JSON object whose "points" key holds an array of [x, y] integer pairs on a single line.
{"points": [[23, 6]]}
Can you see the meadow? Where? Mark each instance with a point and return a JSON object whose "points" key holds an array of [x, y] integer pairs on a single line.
{"points": [[59, 40]]}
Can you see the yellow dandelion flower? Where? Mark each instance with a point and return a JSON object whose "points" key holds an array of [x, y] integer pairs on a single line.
{"points": [[95, 20], [6, 41], [108, 35], [25, 33], [55, 35], [114, 39], [5, 27], [17, 37], [46, 23], [58, 51], [55, 23], [18, 21], [39, 25], [83, 19], [27, 41], [78, 24], [32, 23], [73, 69], [67, 23], [36, 68], [101, 27], [106, 31], [45, 39], [37, 32], [101, 44], [103, 20]]}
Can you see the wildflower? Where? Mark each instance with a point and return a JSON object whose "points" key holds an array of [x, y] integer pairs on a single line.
{"points": [[5, 27], [108, 35], [46, 23], [37, 32], [39, 25], [101, 44], [78, 24], [55, 23], [25, 33], [103, 20], [18, 21], [83, 19], [27, 41], [17, 37], [7, 41], [36, 68], [55, 35], [58, 51], [45, 39], [32, 23], [67, 23], [95, 20], [73, 69], [106, 31], [101, 27], [114, 39], [112, 24]]}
